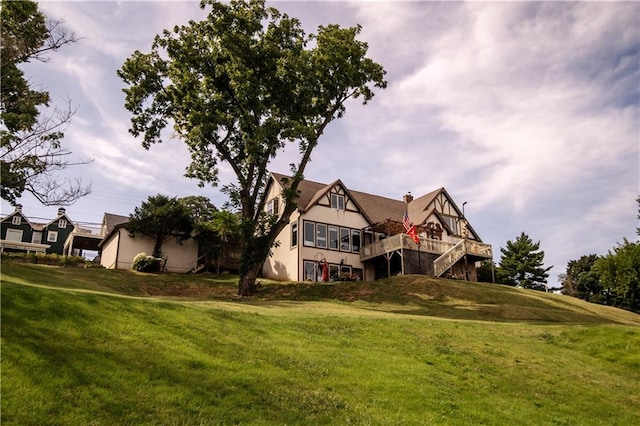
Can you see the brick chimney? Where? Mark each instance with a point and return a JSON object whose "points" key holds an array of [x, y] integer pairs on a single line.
{"points": [[407, 198], [18, 207], [61, 211]]}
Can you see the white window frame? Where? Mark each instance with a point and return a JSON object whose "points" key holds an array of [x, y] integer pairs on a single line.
{"points": [[354, 248], [16, 220], [321, 240], [310, 271], [337, 201], [345, 239], [14, 232], [452, 223], [62, 223], [337, 239], [309, 236], [36, 237], [272, 207], [52, 236]]}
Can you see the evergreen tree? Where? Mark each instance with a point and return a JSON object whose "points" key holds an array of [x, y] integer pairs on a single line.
{"points": [[521, 264], [160, 218]]}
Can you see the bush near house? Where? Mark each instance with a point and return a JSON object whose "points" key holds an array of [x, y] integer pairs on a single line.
{"points": [[143, 262]]}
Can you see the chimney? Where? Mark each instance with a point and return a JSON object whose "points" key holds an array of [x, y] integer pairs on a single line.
{"points": [[61, 211], [407, 198], [18, 207]]}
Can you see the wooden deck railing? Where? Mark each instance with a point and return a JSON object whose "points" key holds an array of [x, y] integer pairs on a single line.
{"points": [[403, 241]]}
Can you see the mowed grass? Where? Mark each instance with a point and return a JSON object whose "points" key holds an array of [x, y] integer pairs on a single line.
{"points": [[411, 350]]}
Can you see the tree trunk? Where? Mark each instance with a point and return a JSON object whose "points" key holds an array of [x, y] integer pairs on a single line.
{"points": [[157, 248], [247, 284]]}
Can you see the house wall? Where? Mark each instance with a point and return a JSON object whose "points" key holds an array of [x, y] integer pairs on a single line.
{"points": [[343, 218], [282, 264], [109, 253], [25, 227], [57, 246], [181, 257]]}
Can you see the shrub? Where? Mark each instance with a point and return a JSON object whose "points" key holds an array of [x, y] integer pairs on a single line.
{"points": [[143, 262]]}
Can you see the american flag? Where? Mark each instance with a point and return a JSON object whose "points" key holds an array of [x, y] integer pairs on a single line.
{"points": [[406, 222]]}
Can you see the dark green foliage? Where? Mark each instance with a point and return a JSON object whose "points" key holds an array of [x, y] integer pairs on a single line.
{"points": [[30, 145], [619, 273], [521, 264], [581, 280], [238, 87], [160, 218], [486, 271]]}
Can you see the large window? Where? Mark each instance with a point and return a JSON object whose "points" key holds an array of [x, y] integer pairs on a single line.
{"points": [[52, 236], [337, 201], [14, 235], [309, 234], [311, 271], [345, 239], [333, 237], [355, 241], [321, 235], [36, 238], [452, 223], [294, 234]]}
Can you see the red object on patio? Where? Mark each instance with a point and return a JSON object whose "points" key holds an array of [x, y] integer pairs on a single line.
{"points": [[325, 272]]}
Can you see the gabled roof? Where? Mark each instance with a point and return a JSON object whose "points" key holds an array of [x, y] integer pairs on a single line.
{"points": [[13, 213], [375, 209], [59, 216], [110, 221]]}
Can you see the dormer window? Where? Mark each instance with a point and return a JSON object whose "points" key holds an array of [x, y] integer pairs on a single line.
{"points": [[62, 223], [337, 201], [16, 220], [272, 207]]}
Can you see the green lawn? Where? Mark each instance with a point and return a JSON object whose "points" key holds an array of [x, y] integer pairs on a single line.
{"points": [[90, 346]]}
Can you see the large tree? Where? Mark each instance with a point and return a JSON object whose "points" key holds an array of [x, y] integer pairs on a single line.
{"points": [[521, 264], [581, 280], [619, 273], [238, 87], [160, 218], [30, 141]]}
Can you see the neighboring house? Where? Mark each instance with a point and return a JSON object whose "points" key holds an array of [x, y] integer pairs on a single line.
{"points": [[361, 236], [19, 234], [119, 248]]}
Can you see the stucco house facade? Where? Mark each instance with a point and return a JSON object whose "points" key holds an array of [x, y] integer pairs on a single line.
{"points": [[362, 236], [119, 248], [18, 233]]}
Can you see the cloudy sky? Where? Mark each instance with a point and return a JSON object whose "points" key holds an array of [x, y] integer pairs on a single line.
{"points": [[529, 112]]}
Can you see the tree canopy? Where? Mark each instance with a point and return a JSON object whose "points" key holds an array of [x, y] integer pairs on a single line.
{"points": [[160, 218], [521, 264], [30, 142], [237, 88]]}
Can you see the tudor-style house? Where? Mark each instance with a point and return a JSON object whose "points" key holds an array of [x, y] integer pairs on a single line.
{"points": [[362, 236], [19, 234]]}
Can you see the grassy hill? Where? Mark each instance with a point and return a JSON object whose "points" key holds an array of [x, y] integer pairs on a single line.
{"points": [[90, 346]]}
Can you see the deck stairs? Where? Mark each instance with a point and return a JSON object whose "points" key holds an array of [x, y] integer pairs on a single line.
{"points": [[449, 258]]}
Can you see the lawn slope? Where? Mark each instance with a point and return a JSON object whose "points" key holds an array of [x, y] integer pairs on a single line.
{"points": [[411, 350]]}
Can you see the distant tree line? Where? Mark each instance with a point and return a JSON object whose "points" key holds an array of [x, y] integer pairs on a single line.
{"points": [[612, 279]]}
